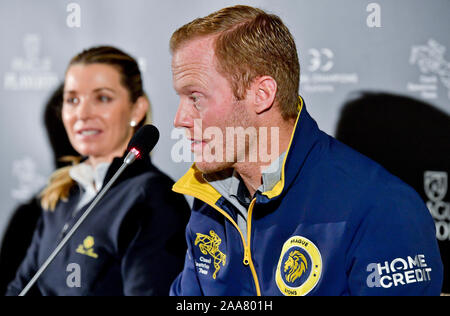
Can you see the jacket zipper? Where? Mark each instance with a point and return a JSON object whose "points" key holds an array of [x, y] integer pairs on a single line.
{"points": [[248, 256], [247, 252]]}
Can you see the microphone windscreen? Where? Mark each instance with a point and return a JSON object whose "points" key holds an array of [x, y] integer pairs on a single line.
{"points": [[144, 140]]}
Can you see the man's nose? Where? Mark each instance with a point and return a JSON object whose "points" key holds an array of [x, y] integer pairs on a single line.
{"points": [[184, 117]]}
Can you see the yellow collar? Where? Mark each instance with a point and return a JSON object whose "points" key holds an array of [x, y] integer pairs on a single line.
{"points": [[193, 183]]}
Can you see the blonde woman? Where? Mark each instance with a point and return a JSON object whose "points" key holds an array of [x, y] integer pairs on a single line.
{"points": [[133, 242]]}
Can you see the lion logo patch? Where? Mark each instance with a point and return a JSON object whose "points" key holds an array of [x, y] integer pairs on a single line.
{"points": [[295, 266], [299, 267]]}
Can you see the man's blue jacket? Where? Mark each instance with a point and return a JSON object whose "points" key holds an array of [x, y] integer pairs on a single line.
{"points": [[336, 223]]}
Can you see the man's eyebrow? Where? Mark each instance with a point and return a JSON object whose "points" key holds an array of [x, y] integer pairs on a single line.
{"points": [[189, 88]]}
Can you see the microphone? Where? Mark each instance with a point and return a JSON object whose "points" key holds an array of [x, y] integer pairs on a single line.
{"points": [[142, 143], [139, 146]]}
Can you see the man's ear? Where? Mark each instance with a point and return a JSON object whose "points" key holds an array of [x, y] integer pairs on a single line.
{"points": [[265, 90], [140, 109]]}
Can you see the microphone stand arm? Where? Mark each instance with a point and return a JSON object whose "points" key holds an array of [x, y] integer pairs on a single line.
{"points": [[130, 158]]}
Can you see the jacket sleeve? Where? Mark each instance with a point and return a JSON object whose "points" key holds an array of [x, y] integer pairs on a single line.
{"points": [[186, 284], [394, 250], [28, 267], [17, 239], [152, 237]]}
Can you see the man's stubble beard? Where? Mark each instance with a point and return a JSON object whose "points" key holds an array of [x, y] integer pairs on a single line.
{"points": [[240, 118]]}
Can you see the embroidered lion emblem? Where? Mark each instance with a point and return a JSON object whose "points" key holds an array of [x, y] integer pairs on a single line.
{"points": [[295, 266], [209, 245]]}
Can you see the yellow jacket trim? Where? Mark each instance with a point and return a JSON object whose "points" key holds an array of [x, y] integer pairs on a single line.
{"points": [[278, 188], [193, 184]]}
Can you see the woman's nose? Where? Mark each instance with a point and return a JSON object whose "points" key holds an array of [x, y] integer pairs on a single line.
{"points": [[84, 109]]}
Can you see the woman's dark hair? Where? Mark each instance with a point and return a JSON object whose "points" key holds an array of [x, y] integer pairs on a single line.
{"points": [[60, 182], [126, 65]]}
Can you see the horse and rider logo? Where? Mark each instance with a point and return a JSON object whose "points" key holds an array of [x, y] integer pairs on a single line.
{"points": [[209, 245], [299, 268], [87, 248]]}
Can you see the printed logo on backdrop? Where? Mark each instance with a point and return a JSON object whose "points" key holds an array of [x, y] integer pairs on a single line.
{"points": [[435, 70], [29, 181], [320, 77], [30, 71], [436, 188]]}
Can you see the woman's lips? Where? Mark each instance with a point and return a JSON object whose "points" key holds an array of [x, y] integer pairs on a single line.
{"points": [[88, 133]]}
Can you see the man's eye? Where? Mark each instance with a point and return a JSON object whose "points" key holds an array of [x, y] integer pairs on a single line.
{"points": [[195, 100]]}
